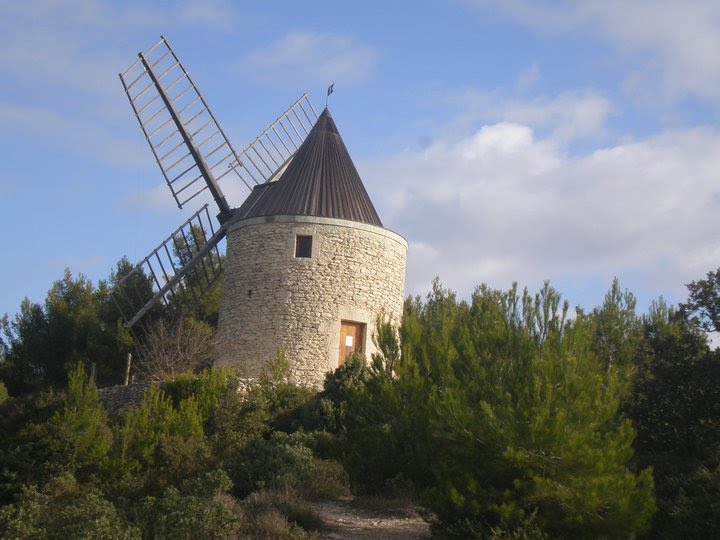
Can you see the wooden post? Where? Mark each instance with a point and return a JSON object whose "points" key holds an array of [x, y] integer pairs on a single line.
{"points": [[127, 369]]}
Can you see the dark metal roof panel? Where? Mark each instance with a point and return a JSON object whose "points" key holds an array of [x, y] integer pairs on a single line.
{"points": [[321, 180]]}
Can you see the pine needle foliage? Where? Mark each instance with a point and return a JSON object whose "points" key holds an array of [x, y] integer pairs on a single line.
{"points": [[499, 409]]}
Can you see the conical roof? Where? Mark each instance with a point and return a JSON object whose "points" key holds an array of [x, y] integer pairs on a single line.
{"points": [[321, 180]]}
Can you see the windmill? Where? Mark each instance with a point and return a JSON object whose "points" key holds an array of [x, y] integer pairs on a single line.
{"points": [[308, 265], [195, 156]]}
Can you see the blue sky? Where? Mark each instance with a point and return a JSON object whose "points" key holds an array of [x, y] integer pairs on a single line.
{"points": [[507, 141]]}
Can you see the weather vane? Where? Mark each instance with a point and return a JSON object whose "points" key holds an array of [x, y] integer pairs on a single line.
{"points": [[330, 91]]}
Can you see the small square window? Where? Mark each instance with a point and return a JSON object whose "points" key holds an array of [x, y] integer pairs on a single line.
{"points": [[303, 246]]}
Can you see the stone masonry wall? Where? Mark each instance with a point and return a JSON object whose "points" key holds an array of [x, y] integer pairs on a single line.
{"points": [[272, 300], [117, 399]]}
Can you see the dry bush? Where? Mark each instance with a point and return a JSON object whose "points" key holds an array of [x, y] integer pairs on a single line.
{"points": [[172, 350], [271, 515]]}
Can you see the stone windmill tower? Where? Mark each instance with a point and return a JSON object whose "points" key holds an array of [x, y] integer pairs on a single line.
{"points": [[309, 266]]}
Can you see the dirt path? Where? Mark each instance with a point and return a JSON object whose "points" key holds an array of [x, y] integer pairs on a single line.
{"points": [[347, 518]]}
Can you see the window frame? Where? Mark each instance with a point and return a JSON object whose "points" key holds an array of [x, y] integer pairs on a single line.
{"points": [[301, 247]]}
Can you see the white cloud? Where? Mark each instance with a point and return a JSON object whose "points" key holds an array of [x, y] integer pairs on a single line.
{"points": [[80, 44], [209, 14], [157, 198], [503, 206], [568, 116], [572, 115], [676, 42], [316, 57], [65, 56], [59, 43]]}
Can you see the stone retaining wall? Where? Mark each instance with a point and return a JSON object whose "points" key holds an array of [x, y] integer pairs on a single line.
{"points": [[116, 399]]}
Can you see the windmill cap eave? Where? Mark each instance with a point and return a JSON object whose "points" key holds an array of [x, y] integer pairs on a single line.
{"points": [[302, 222], [321, 180]]}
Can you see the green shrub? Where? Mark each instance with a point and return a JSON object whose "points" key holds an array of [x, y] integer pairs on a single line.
{"points": [[62, 510], [157, 445], [230, 419], [332, 403], [200, 507], [177, 515], [526, 529], [27, 452], [79, 429], [50, 434], [208, 387], [288, 407], [284, 462], [297, 511]]}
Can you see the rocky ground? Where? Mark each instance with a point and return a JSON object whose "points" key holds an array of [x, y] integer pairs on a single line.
{"points": [[348, 518]]}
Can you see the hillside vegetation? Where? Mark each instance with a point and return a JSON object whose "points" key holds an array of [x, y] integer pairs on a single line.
{"points": [[500, 417]]}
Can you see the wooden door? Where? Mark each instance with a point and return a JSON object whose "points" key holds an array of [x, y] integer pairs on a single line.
{"points": [[352, 339]]}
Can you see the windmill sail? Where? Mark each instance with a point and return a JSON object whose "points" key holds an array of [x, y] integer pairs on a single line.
{"points": [[189, 145], [181, 269], [271, 150], [194, 155]]}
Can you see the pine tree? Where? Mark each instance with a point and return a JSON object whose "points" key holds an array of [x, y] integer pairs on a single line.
{"points": [[502, 411]]}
